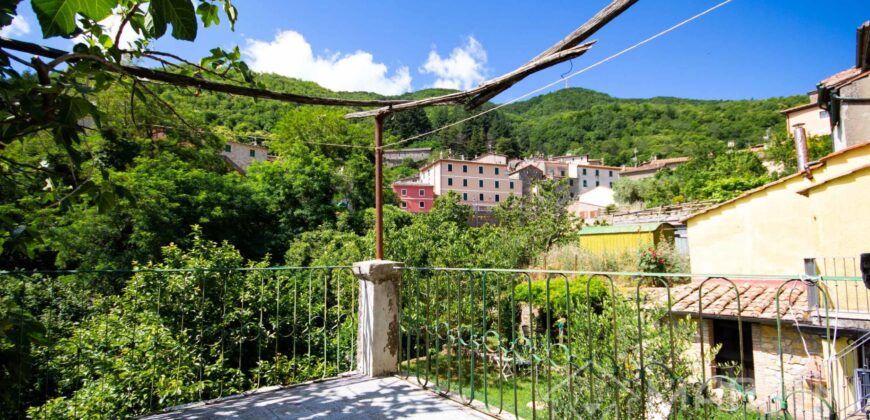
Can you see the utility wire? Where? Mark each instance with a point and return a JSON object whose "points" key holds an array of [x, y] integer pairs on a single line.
{"points": [[549, 85]]}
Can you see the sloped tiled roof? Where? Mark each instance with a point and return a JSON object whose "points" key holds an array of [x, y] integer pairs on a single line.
{"points": [[632, 228], [655, 165], [836, 80], [757, 299]]}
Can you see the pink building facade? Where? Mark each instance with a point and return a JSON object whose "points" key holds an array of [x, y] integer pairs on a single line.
{"points": [[482, 184], [414, 196]]}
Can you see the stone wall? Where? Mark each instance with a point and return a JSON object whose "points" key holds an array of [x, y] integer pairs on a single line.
{"points": [[802, 371]]}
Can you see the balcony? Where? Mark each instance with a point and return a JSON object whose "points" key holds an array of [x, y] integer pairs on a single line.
{"points": [[351, 396], [382, 340]]}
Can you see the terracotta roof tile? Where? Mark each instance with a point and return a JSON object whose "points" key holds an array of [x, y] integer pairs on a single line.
{"points": [[757, 299], [655, 165]]}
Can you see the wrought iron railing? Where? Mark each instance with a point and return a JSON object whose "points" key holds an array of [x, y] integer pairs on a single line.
{"points": [[849, 296], [567, 344], [130, 342]]}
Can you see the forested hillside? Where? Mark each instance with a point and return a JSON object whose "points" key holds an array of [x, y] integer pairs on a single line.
{"points": [[572, 120]]}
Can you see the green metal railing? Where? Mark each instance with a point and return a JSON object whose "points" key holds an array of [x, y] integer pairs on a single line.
{"points": [[131, 342], [525, 343], [572, 344], [842, 275]]}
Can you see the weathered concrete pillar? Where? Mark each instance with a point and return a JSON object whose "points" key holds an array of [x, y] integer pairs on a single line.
{"points": [[378, 334]]}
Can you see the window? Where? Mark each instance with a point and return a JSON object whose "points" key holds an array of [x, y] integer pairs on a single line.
{"points": [[562, 173], [611, 173], [571, 182], [449, 181], [611, 185], [596, 172], [511, 184], [497, 198], [464, 196], [422, 204], [228, 148], [253, 153], [465, 182], [496, 184], [422, 192], [823, 114], [496, 171], [584, 184], [597, 183], [480, 183], [481, 197], [584, 171], [449, 167], [464, 168], [480, 169], [404, 205], [404, 192]]}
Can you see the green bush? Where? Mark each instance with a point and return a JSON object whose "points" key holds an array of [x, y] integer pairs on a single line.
{"points": [[577, 288]]}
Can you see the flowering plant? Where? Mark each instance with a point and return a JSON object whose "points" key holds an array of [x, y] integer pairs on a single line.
{"points": [[652, 261]]}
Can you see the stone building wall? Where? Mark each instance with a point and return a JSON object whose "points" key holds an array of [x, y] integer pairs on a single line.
{"points": [[802, 371]]}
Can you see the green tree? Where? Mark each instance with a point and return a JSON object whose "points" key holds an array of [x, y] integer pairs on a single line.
{"points": [[538, 220], [408, 123], [53, 99]]}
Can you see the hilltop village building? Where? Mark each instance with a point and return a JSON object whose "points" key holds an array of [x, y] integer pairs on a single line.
{"points": [[414, 195], [394, 157], [580, 172], [486, 181], [481, 183], [649, 169], [810, 116], [240, 156]]}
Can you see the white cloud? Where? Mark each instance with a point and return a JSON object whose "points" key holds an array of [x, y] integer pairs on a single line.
{"points": [[110, 26], [18, 27], [289, 54], [463, 69]]}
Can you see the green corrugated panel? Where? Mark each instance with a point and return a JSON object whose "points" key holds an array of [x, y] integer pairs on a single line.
{"points": [[601, 230]]}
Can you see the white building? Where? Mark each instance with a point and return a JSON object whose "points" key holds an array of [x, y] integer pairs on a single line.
{"points": [[241, 155]]}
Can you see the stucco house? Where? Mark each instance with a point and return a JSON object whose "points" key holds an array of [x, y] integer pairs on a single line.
{"points": [[591, 204], [482, 183], [785, 228], [846, 97], [414, 196], [649, 169], [240, 156], [811, 116]]}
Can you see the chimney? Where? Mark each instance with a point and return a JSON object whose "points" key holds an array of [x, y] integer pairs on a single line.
{"points": [[800, 144]]}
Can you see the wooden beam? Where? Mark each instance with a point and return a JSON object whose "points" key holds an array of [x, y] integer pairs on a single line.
{"points": [[182, 80], [463, 96], [602, 18]]}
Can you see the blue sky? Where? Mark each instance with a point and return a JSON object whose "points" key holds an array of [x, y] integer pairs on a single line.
{"points": [[746, 49]]}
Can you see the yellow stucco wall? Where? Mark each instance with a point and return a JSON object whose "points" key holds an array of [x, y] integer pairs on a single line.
{"points": [[629, 242], [772, 230], [616, 243], [813, 122]]}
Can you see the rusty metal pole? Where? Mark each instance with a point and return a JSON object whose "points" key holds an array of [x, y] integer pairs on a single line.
{"points": [[379, 180]]}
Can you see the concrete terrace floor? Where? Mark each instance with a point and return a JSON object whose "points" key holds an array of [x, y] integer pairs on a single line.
{"points": [[350, 397]]}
